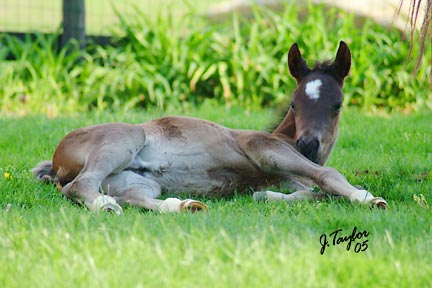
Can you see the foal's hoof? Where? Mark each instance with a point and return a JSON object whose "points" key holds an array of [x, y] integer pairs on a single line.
{"points": [[193, 206], [379, 202], [107, 203]]}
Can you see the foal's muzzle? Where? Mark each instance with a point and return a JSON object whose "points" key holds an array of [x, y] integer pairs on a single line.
{"points": [[308, 147]]}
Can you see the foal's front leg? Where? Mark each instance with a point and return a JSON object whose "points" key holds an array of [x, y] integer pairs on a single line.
{"points": [[280, 158], [301, 195], [331, 181], [302, 188]]}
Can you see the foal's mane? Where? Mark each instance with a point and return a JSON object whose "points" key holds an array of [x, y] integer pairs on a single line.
{"points": [[323, 66]]}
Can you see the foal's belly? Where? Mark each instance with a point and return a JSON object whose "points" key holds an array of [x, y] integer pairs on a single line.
{"points": [[199, 182], [197, 169]]}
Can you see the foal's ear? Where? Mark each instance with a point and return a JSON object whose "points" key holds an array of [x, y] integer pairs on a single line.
{"points": [[296, 64], [342, 63]]}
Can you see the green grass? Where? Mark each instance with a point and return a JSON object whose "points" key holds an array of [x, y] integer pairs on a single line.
{"points": [[46, 241]]}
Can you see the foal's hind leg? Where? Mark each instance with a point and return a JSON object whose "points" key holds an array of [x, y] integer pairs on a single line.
{"points": [[107, 150], [131, 188]]}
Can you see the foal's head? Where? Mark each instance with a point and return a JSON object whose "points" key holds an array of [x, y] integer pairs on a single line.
{"points": [[316, 103]]}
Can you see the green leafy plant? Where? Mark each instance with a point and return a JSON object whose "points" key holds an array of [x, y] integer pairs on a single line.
{"points": [[242, 61]]}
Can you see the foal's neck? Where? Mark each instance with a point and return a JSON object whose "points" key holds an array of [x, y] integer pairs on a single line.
{"points": [[287, 127]]}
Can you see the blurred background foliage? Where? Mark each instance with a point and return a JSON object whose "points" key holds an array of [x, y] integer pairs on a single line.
{"points": [[178, 62]]}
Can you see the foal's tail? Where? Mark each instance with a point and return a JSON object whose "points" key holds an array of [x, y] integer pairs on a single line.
{"points": [[44, 171]]}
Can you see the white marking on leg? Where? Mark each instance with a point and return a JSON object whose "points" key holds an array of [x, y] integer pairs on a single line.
{"points": [[361, 196], [170, 205], [108, 203], [312, 89]]}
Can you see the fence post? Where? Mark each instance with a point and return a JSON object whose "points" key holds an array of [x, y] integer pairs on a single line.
{"points": [[73, 22]]}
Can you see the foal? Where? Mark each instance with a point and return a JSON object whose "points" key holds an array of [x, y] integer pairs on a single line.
{"points": [[135, 164]]}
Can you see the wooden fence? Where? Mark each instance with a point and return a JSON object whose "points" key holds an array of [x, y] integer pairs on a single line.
{"points": [[73, 22]]}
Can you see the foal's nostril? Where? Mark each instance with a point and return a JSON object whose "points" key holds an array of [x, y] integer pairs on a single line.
{"points": [[314, 145], [298, 142]]}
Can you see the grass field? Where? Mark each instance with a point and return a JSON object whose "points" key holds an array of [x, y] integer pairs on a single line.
{"points": [[46, 241]]}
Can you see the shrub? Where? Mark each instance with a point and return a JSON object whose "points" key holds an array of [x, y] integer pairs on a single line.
{"points": [[169, 63]]}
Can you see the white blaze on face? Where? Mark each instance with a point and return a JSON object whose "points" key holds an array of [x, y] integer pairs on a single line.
{"points": [[312, 89]]}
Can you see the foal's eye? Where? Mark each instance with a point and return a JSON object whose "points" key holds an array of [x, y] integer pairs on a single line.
{"points": [[293, 106], [337, 107]]}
